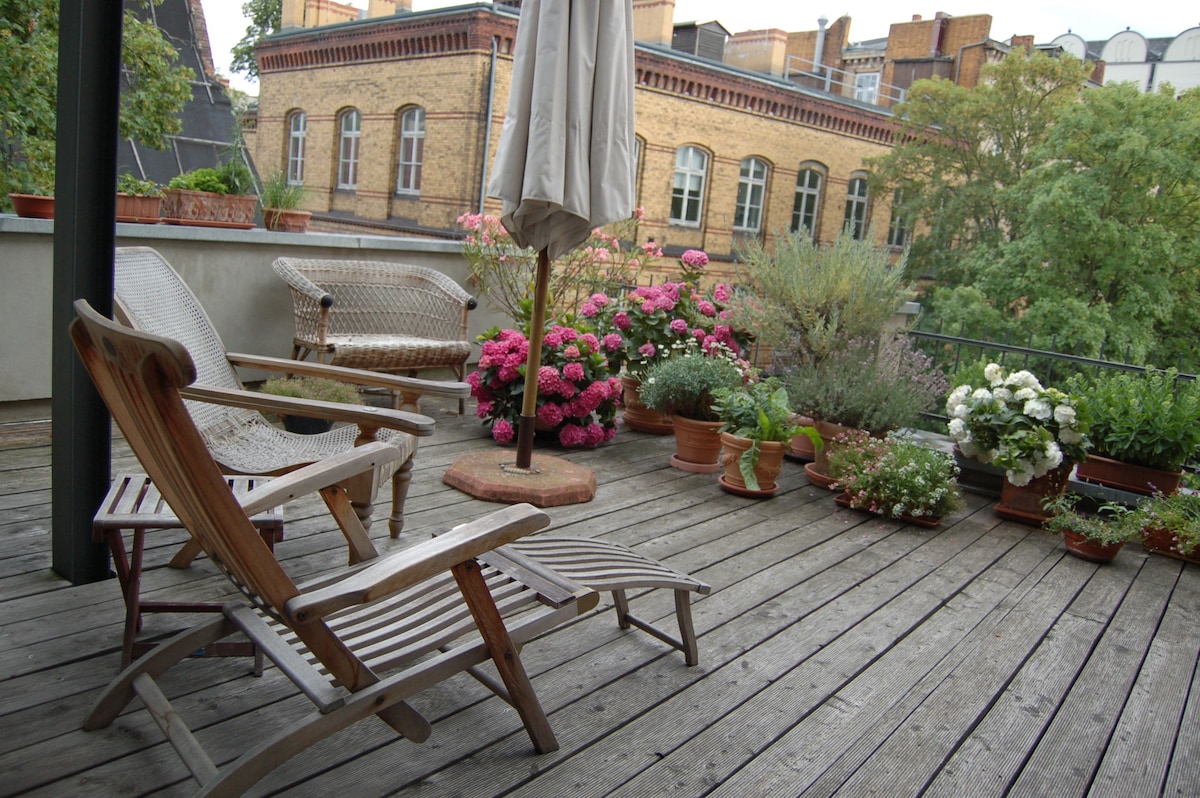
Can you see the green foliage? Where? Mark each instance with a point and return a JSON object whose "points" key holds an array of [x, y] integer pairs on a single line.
{"points": [[136, 187], [316, 388], [759, 411], [804, 298], [232, 177], [266, 17], [876, 387], [686, 385], [1110, 522], [960, 149], [157, 89], [279, 193], [1150, 419], [895, 476]]}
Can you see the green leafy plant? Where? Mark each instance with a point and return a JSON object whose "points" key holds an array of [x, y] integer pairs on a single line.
{"points": [[1109, 523], [317, 388], [759, 411], [687, 384], [804, 298], [280, 194], [1177, 514], [1150, 419], [876, 387], [136, 187], [894, 476], [231, 177]]}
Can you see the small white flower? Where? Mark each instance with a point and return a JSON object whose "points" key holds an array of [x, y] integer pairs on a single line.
{"points": [[1054, 456]]}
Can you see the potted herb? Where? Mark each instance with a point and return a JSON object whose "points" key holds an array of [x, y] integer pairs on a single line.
{"points": [[1034, 433], [758, 427], [315, 388], [683, 388], [207, 197], [895, 477], [1144, 428], [1096, 536], [281, 202], [1170, 524], [138, 200]]}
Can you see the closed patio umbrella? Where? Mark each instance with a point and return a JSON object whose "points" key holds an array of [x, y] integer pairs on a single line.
{"points": [[564, 164]]}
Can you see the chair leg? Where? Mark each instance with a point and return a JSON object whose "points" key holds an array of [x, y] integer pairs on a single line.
{"points": [[400, 482]]}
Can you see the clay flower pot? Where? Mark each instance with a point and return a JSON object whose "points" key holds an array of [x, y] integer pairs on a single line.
{"points": [[33, 206], [636, 415], [1126, 476], [770, 463], [697, 445]]}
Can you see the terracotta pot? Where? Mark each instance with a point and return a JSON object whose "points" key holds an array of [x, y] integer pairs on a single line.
{"points": [[1023, 503], [1086, 549], [206, 209], [33, 206], [636, 415], [286, 221], [770, 463], [828, 431], [1126, 476], [697, 445], [800, 446], [1162, 541], [818, 479], [139, 210]]}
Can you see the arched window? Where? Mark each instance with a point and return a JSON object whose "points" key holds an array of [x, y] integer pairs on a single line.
{"points": [[809, 181], [856, 208], [297, 130], [351, 129], [687, 193], [752, 188], [412, 151]]}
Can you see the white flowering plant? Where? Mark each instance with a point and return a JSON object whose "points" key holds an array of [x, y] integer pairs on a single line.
{"points": [[894, 476], [1017, 424]]}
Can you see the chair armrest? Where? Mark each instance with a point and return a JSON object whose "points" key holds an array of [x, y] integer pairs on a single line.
{"points": [[321, 474], [448, 389], [300, 283], [373, 417], [409, 566]]}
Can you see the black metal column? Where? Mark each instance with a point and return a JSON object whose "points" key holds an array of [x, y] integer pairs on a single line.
{"points": [[89, 59]]}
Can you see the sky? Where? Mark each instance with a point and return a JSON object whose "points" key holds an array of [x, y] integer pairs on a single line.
{"points": [[1095, 20]]}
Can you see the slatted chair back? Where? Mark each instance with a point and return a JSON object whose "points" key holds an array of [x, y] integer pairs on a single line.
{"points": [[139, 377]]}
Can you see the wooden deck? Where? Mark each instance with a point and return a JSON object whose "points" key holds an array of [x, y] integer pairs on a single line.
{"points": [[840, 654]]}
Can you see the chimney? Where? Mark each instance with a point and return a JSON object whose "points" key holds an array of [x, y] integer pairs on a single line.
{"points": [[654, 21], [758, 50], [386, 8], [292, 15], [819, 50]]}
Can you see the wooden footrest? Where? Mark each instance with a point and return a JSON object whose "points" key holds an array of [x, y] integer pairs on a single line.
{"points": [[605, 566]]}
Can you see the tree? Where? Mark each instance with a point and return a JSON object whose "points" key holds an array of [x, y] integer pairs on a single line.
{"points": [[960, 148], [156, 89], [266, 17]]}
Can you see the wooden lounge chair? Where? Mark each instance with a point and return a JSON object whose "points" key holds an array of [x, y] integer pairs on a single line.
{"points": [[392, 317], [358, 640], [150, 296]]}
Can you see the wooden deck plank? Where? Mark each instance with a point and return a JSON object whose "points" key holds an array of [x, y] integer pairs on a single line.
{"points": [[839, 653]]}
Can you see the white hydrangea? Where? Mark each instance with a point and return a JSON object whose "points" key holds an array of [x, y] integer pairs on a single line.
{"points": [[1002, 395], [1019, 478], [993, 373], [1070, 435], [960, 411], [1039, 409], [982, 395], [958, 429], [1024, 379], [1064, 415], [1025, 394], [958, 395], [1053, 457]]}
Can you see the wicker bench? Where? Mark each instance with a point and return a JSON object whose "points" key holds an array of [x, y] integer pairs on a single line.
{"points": [[391, 317]]}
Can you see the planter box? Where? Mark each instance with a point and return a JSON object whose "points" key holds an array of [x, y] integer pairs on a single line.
{"points": [[139, 210], [1124, 476], [205, 209], [1162, 541], [33, 206]]}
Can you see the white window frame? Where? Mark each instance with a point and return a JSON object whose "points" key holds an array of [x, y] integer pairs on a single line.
{"points": [[412, 151], [350, 128], [808, 200], [857, 202], [751, 195], [866, 87], [687, 191], [297, 133], [899, 230]]}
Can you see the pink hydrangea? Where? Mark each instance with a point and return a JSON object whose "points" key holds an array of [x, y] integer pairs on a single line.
{"points": [[573, 371], [484, 410], [502, 431], [599, 300], [679, 326], [550, 413], [571, 351], [553, 339], [723, 292], [647, 350], [589, 343], [588, 310], [621, 321], [571, 435], [694, 258], [706, 308], [593, 435], [612, 341]]}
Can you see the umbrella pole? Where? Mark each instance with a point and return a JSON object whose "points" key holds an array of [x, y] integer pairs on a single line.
{"points": [[537, 328]]}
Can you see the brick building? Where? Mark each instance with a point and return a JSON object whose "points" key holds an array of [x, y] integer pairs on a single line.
{"points": [[391, 120]]}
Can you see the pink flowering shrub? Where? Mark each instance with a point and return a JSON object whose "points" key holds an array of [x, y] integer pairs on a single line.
{"points": [[894, 476], [656, 321], [578, 391]]}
